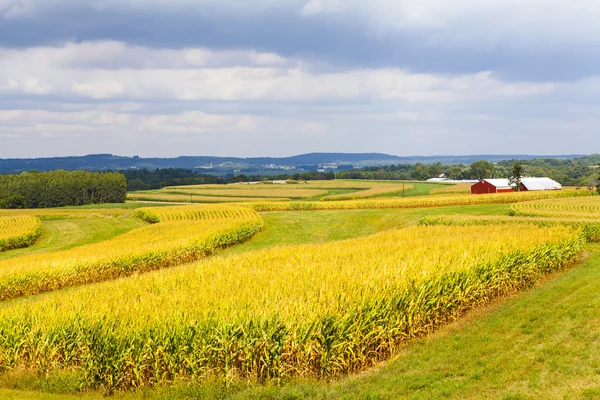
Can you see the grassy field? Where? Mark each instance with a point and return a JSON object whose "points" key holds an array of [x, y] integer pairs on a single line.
{"points": [[299, 227], [63, 234], [315, 276]]}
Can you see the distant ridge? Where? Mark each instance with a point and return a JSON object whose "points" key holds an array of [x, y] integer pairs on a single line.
{"points": [[102, 162]]}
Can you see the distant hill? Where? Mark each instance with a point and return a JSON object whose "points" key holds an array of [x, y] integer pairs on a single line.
{"points": [[310, 161]]}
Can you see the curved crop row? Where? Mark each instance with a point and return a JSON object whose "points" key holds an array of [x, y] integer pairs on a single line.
{"points": [[19, 231], [589, 231], [417, 202], [588, 207], [148, 248], [193, 212], [312, 310]]}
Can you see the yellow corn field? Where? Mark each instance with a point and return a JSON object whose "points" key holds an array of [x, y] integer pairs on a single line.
{"points": [[151, 247], [19, 231], [588, 207], [194, 212], [589, 230], [312, 310], [418, 202]]}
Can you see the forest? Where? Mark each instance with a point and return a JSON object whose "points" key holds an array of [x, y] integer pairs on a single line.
{"points": [[61, 188]]}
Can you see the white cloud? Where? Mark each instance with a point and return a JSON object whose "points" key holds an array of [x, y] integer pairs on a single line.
{"points": [[194, 75]]}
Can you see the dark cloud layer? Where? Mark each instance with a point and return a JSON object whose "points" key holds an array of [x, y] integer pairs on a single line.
{"points": [[341, 40]]}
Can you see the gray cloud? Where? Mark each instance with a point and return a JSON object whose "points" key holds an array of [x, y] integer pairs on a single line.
{"points": [[270, 77], [538, 39]]}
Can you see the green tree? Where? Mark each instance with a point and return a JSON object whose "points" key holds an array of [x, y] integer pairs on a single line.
{"points": [[455, 171], [516, 175], [598, 182], [482, 169]]}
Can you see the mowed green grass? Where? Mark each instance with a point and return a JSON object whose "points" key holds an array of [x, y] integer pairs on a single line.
{"points": [[62, 234], [299, 227]]}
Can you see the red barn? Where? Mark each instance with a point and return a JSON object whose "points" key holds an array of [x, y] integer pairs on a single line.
{"points": [[492, 186]]}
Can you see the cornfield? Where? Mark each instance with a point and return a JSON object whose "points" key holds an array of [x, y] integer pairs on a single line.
{"points": [[19, 231], [197, 212], [148, 248], [589, 230], [312, 310], [588, 207], [417, 202]]}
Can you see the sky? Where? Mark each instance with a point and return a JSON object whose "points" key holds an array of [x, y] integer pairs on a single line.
{"points": [[165, 78]]}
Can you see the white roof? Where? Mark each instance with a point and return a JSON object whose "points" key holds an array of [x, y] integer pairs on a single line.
{"points": [[437, 180], [540, 184], [499, 183]]}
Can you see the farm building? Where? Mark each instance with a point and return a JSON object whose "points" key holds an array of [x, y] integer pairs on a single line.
{"points": [[504, 186], [528, 184], [491, 186]]}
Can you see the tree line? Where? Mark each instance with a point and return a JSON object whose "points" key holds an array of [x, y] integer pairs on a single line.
{"points": [[61, 188]]}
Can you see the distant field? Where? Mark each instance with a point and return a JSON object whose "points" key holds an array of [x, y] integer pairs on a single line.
{"points": [[375, 191], [283, 192], [460, 188], [313, 190], [191, 198]]}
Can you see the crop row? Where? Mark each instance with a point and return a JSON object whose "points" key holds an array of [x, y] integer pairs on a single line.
{"points": [[589, 230], [147, 248], [193, 212], [19, 231], [417, 202], [588, 207], [313, 310]]}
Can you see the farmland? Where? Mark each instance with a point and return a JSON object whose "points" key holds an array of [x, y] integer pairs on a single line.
{"points": [[255, 296], [316, 190], [18, 231]]}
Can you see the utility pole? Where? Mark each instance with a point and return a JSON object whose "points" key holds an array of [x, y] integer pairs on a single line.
{"points": [[402, 189]]}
